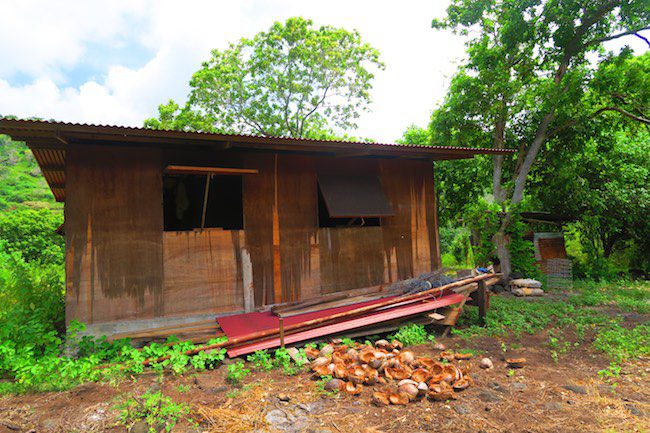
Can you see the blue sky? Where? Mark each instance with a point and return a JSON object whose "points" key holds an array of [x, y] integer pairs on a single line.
{"points": [[113, 62]]}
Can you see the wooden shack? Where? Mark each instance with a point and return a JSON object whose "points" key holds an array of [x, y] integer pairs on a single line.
{"points": [[165, 227]]}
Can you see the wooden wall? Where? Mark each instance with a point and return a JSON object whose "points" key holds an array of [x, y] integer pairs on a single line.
{"points": [[121, 265]]}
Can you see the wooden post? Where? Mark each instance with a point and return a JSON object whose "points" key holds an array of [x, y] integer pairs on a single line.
{"points": [[281, 332], [482, 300], [247, 277], [205, 200]]}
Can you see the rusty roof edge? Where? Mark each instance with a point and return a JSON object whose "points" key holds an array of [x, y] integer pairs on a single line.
{"points": [[9, 125]]}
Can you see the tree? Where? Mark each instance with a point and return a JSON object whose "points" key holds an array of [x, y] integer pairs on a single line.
{"points": [[292, 80], [528, 66]]}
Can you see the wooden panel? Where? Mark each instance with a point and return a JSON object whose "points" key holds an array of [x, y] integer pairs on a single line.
{"points": [[350, 196], [259, 199], [297, 207], [350, 258], [114, 222], [203, 272]]}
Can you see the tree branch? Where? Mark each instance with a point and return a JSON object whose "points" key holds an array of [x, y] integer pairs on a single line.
{"points": [[619, 35]]}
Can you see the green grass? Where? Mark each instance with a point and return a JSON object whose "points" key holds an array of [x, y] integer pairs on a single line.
{"points": [[589, 309]]}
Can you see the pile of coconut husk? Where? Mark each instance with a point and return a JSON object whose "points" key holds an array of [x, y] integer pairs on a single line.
{"points": [[397, 375]]}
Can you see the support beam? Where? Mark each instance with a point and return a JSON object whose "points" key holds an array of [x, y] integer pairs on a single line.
{"points": [[188, 169]]}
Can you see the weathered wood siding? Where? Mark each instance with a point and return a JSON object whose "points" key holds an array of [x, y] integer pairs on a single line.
{"points": [[113, 214], [121, 265]]}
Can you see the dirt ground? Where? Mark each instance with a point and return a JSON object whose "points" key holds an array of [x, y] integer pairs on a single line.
{"points": [[544, 396]]}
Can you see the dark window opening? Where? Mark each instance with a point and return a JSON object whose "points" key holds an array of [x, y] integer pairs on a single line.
{"points": [[184, 197], [325, 220]]}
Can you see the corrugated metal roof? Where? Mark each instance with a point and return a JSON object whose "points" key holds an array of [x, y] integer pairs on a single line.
{"points": [[6, 124], [49, 139]]}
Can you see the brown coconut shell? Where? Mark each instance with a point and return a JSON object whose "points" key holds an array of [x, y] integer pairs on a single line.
{"points": [[398, 398], [322, 370], [335, 385], [407, 357], [340, 370], [441, 392], [516, 362], [461, 384], [410, 389], [462, 356], [397, 345], [447, 355], [311, 353], [380, 398], [427, 363], [371, 375], [356, 374], [353, 389], [322, 360], [398, 372], [420, 375], [383, 344], [326, 350]]}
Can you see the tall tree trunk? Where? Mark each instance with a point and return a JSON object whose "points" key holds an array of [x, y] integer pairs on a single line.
{"points": [[502, 242]]}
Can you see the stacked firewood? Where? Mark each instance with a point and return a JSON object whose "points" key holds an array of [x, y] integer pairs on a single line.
{"points": [[398, 376]]}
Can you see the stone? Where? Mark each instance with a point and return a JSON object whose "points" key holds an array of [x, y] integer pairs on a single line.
{"points": [[497, 387], [139, 427], [576, 388], [486, 363], [634, 410], [553, 406], [489, 396], [228, 361], [518, 386], [277, 418], [217, 389], [462, 409]]}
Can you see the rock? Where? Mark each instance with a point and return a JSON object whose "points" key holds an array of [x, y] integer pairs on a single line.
{"points": [[139, 427], [634, 410], [576, 388], [228, 361], [277, 418], [462, 409], [553, 406], [216, 389], [486, 363], [283, 397], [489, 396], [518, 386], [497, 387]]}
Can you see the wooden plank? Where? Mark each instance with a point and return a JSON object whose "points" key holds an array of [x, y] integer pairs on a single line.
{"points": [[203, 272], [113, 234], [188, 169], [482, 300]]}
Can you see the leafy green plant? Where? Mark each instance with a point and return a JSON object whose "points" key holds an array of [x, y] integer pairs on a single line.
{"points": [[157, 410], [261, 360], [411, 334], [284, 361], [237, 372]]}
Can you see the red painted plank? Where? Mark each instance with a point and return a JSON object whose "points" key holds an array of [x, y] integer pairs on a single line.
{"points": [[378, 317]]}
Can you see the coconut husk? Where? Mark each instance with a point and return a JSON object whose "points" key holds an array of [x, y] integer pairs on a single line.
{"points": [[516, 362], [462, 356], [407, 357], [447, 355], [398, 372], [398, 398], [420, 375], [427, 363], [410, 389], [352, 389], [380, 398]]}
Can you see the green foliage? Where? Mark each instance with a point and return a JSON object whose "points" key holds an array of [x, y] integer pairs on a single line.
{"points": [[284, 361], [292, 80], [31, 233], [157, 410], [237, 372], [484, 220], [261, 360], [21, 182], [411, 334], [579, 313]]}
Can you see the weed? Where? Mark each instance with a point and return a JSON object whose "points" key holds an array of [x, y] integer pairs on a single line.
{"points": [[261, 360], [237, 372], [411, 334], [157, 410], [183, 388], [511, 372], [284, 361]]}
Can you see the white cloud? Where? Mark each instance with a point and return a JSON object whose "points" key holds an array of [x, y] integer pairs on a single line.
{"points": [[43, 40]]}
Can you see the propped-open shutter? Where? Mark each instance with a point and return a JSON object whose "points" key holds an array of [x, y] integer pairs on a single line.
{"points": [[354, 196]]}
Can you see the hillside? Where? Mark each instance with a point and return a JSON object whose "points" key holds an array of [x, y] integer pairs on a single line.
{"points": [[21, 182]]}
